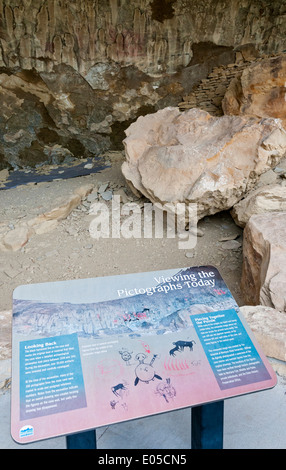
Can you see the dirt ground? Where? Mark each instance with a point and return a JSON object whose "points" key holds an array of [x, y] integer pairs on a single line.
{"points": [[69, 251]]}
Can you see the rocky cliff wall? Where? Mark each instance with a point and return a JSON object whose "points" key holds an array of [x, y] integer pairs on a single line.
{"points": [[74, 74]]}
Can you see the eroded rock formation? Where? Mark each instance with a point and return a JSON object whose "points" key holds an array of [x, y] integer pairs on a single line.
{"points": [[154, 35], [259, 90], [77, 73], [270, 198]]}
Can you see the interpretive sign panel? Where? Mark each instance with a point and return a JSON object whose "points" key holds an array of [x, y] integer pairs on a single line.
{"points": [[92, 352]]}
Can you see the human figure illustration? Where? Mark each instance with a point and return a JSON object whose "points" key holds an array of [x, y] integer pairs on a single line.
{"points": [[166, 390], [126, 356], [145, 372]]}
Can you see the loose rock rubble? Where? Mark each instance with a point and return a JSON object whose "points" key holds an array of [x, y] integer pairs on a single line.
{"points": [[16, 238]]}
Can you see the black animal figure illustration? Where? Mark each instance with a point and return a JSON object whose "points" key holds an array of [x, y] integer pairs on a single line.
{"points": [[143, 371], [180, 346], [117, 389]]}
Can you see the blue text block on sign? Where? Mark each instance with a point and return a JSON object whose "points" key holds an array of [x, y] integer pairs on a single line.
{"points": [[229, 349]]}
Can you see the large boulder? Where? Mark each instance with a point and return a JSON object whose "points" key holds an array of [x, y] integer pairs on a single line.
{"points": [[270, 198], [193, 157], [259, 90], [264, 260]]}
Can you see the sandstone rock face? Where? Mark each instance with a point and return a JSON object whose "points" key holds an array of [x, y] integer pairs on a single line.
{"points": [[76, 73], [193, 157], [264, 260], [50, 118], [155, 35], [268, 326], [271, 198], [259, 90]]}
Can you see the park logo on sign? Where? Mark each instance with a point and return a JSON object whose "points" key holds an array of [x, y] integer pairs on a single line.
{"points": [[26, 431]]}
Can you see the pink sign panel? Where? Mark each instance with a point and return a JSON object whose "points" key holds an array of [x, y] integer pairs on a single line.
{"points": [[93, 352]]}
